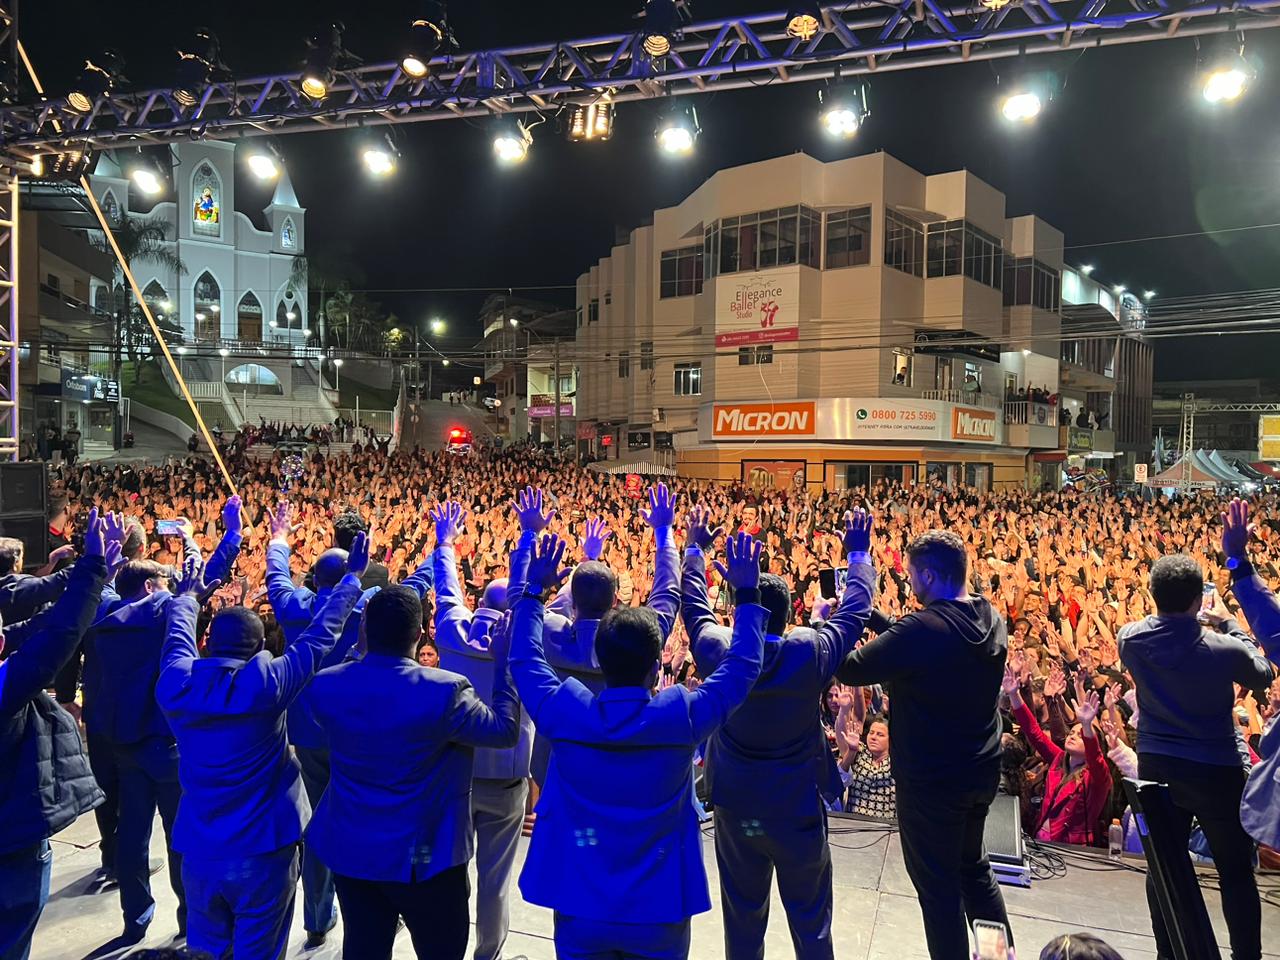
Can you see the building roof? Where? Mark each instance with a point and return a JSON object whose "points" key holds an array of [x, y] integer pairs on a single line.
{"points": [[284, 195], [107, 166]]}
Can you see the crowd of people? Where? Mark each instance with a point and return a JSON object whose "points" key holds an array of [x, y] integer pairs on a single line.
{"points": [[1031, 631]]}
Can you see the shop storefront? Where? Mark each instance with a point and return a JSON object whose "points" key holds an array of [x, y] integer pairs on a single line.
{"points": [[80, 403]]}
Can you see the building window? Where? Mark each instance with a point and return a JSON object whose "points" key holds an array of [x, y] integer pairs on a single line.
{"points": [[1028, 282], [903, 243], [593, 311], [771, 238], [288, 235], [901, 367], [972, 377], [957, 247], [579, 317], [681, 272], [249, 318], [646, 355], [111, 207], [688, 380], [608, 299], [848, 237], [208, 301], [206, 209], [624, 365], [750, 356]]}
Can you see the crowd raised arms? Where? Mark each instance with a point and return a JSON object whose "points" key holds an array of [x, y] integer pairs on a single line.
{"points": [[526, 627]]}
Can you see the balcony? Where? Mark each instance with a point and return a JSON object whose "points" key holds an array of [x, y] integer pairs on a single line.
{"points": [[964, 398], [1031, 425], [58, 307], [1083, 441]]}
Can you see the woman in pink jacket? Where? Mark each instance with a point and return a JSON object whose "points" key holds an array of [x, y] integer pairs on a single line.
{"points": [[1078, 786]]}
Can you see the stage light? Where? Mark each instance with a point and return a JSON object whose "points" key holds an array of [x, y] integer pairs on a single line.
{"points": [[324, 49], [64, 163], [262, 164], [379, 156], [844, 107], [1225, 78], [1148, 294], [803, 19], [97, 79], [590, 121], [444, 362], [679, 130], [514, 322], [1119, 289], [1087, 269], [147, 174], [994, 4], [660, 17], [197, 65], [511, 142], [1021, 107], [437, 326], [427, 34]]}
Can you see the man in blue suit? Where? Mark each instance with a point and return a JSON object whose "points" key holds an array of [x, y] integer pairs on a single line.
{"points": [[243, 805], [499, 786], [122, 653], [294, 608], [616, 851], [394, 825], [769, 765]]}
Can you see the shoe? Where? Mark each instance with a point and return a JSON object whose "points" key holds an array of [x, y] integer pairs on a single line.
{"points": [[315, 939], [133, 933], [101, 881], [155, 865]]}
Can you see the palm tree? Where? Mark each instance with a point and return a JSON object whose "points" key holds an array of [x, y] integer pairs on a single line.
{"points": [[141, 240]]}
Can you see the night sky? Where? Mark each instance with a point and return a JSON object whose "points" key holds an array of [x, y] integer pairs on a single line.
{"points": [[1128, 151]]}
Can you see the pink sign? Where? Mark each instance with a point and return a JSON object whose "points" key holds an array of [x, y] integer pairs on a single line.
{"points": [[742, 338], [549, 410]]}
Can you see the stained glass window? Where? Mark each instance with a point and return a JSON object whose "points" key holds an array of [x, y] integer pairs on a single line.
{"points": [[288, 236], [111, 207], [206, 213]]}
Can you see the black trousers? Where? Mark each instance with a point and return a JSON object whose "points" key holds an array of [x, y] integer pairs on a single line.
{"points": [[434, 910], [1211, 794], [941, 832], [748, 852], [102, 762]]}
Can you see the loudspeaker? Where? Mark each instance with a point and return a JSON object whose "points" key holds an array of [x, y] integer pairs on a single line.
{"points": [[23, 487], [1002, 836], [23, 508]]}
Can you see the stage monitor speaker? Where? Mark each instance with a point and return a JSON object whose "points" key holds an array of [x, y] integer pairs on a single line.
{"points": [[23, 489], [33, 531], [1002, 837], [1177, 889]]}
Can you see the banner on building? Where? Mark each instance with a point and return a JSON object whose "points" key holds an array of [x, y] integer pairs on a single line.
{"points": [[635, 486], [853, 419], [1079, 440], [762, 475], [543, 412], [973, 425], [758, 308], [639, 439], [586, 431], [783, 419]]}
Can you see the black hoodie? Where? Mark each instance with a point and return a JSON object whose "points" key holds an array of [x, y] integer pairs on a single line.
{"points": [[942, 667]]}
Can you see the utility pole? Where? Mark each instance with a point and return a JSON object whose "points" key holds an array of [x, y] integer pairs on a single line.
{"points": [[556, 374], [417, 368]]}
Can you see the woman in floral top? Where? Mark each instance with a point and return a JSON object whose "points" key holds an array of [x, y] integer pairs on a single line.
{"points": [[866, 767]]}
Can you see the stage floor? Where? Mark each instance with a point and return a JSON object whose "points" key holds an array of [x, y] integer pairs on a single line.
{"points": [[876, 916]]}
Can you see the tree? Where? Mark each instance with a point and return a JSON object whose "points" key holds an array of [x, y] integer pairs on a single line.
{"points": [[141, 240]]}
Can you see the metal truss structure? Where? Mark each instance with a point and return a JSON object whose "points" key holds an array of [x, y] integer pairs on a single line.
{"points": [[857, 37], [9, 255], [1187, 428]]}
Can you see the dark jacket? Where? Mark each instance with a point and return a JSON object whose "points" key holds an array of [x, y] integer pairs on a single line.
{"points": [[23, 596], [46, 782], [770, 759], [1185, 673], [942, 667]]}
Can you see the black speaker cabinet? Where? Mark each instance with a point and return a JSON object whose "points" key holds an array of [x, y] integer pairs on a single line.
{"points": [[23, 489]]}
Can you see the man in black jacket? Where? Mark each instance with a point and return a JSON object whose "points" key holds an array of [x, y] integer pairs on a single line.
{"points": [[46, 782], [942, 666], [345, 527]]}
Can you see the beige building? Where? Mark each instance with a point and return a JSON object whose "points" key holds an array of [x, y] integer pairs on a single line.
{"points": [[840, 321]]}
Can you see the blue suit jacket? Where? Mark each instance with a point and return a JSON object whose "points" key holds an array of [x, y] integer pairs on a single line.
{"points": [[463, 641], [771, 758], [398, 804], [241, 787], [617, 837], [1261, 608]]}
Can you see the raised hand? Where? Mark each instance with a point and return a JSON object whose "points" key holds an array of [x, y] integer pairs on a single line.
{"points": [[546, 568], [1009, 683], [662, 507], [1055, 685], [1236, 529], [1112, 696], [282, 525], [857, 531], [742, 571], [500, 638], [593, 542], [64, 552], [115, 558], [358, 555], [232, 518], [94, 539], [449, 518], [528, 507], [114, 527], [191, 583], [701, 534], [1087, 711]]}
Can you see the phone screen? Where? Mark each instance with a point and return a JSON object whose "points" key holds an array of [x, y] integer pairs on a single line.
{"points": [[169, 528], [1210, 595], [991, 940]]}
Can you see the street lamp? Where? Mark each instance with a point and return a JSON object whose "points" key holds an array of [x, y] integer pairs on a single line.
{"points": [[182, 352], [223, 352], [337, 370], [437, 326]]}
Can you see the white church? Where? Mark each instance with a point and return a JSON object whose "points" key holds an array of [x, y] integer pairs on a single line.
{"points": [[242, 301]]}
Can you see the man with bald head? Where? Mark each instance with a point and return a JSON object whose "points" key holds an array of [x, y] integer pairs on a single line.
{"points": [[294, 608]]}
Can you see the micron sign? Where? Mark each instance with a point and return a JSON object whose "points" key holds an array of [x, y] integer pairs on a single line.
{"points": [[970, 424], [765, 419]]}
